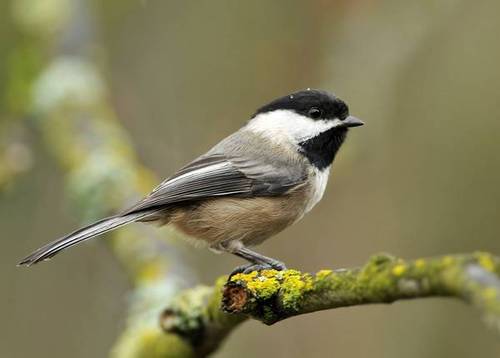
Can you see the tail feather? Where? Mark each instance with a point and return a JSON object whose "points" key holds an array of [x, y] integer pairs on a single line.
{"points": [[98, 228]]}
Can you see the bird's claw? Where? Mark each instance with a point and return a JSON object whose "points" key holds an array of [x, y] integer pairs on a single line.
{"points": [[246, 269]]}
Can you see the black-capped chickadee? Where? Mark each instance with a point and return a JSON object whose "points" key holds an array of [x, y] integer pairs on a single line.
{"points": [[249, 187]]}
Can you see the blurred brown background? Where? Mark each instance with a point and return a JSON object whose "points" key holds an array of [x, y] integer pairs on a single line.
{"points": [[420, 179]]}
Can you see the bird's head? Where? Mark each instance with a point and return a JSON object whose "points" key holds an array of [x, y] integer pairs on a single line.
{"points": [[315, 121]]}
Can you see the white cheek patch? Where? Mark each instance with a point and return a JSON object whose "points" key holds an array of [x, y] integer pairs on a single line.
{"points": [[285, 125]]}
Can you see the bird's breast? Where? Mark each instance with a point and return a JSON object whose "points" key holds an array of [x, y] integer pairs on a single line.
{"points": [[316, 187], [250, 220]]}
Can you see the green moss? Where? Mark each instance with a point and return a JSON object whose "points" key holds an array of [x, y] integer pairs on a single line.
{"points": [[376, 264], [293, 289], [376, 273], [151, 342], [268, 315], [186, 312], [379, 261]]}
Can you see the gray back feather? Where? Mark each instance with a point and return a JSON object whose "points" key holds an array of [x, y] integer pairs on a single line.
{"points": [[241, 165]]}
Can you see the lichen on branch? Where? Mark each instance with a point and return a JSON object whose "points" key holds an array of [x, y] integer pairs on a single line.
{"points": [[196, 316], [271, 296], [203, 317]]}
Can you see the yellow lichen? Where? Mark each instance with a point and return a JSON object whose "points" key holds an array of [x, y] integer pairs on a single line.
{"points": [[151, 343], [291, 284], [486, 261], [264, 287], [245, 277], [148, 336], [268, 273], [448, 260], [294, 287], [151, 272], [398, 270], [490, 293], [289, 273], [420, 264], [322, 274]]}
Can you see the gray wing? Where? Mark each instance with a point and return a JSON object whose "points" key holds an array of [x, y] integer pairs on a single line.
{"points": [[225, 171]]}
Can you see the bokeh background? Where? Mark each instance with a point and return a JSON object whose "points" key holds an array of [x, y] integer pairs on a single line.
{"points": [[420, 179]]}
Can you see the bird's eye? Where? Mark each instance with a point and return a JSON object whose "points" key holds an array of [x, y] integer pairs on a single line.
{"points": [[315, 113]]}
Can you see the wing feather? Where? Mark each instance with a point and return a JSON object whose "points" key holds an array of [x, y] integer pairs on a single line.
{"points": [[218, 174], [213, 176], [207, 177]]}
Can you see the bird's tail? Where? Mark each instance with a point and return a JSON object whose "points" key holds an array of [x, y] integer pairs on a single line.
{"points": [[85, 233]]}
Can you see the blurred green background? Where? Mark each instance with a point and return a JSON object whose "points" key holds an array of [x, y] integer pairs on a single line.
{"points": [[420, 179]]}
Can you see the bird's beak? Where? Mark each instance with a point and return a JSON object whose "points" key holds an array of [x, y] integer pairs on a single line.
{"points": [[352, 121]]}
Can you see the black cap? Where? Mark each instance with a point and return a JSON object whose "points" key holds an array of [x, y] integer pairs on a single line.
{"points": [[313, 103]]}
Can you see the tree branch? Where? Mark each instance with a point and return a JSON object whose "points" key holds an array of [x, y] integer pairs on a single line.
{"points": [[271, 296], [196, 316]]}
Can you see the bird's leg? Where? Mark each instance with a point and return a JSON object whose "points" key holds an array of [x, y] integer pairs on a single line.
{"points": [[256, 258], [258, 262]]}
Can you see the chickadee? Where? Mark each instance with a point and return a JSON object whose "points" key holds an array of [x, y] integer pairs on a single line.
{"points": [[249, 187]]}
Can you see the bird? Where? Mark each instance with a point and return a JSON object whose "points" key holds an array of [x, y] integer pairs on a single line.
{"points": [[249, 187]]}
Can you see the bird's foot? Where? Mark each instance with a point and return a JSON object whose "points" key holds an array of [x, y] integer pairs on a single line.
{"points": [[246, 269]]}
